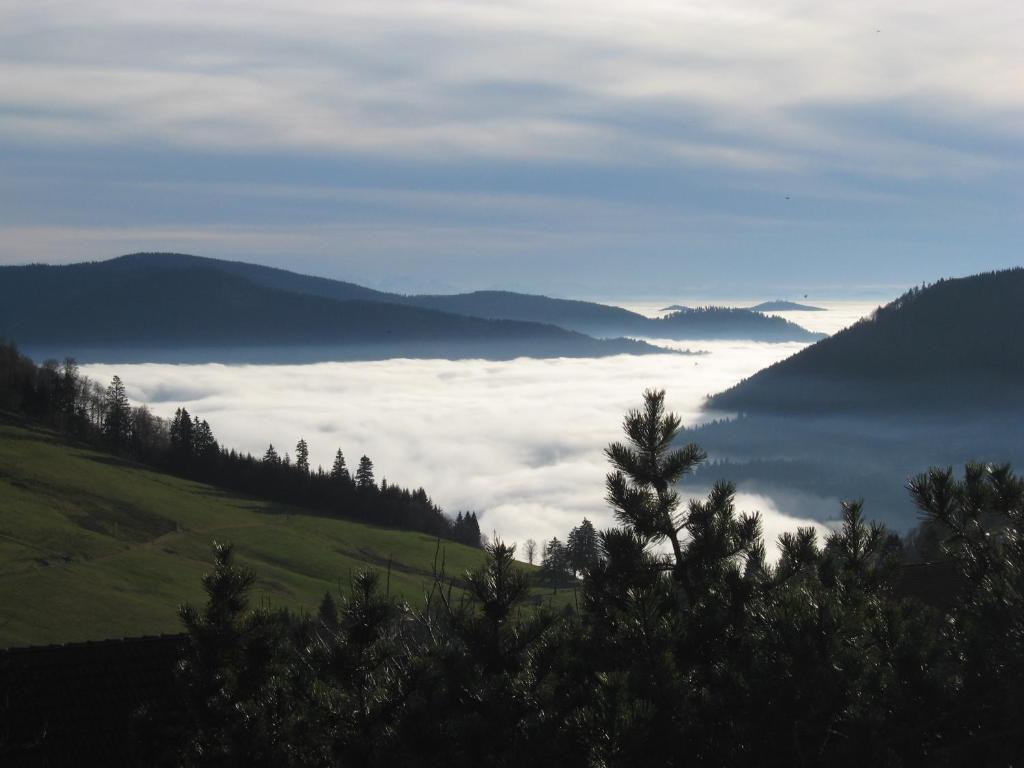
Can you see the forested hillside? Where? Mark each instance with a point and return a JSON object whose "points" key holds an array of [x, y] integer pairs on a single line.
{"points": [[956, 345], [59, 397], [784, 306], [583, 317], [727, 323], [96, 546], [154, 311]]}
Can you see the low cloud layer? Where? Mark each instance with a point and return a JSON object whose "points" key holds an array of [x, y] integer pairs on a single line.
{"points": [[520, 442]]}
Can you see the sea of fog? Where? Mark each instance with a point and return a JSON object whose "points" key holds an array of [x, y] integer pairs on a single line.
{"points": [[519, 442]]}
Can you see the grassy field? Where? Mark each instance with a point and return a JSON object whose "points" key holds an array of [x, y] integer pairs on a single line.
{"points": [[94, 547]]}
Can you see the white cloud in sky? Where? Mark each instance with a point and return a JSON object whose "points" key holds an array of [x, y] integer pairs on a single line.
{"points": [[735, 84], [576, 148]]}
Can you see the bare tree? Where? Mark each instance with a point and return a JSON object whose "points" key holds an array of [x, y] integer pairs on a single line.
{"points": [[531, 550]]}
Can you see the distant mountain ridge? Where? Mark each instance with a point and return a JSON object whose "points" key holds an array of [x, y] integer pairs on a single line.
{"points": [[188, 310], [784, 306], [585, 317], [957, 344]]}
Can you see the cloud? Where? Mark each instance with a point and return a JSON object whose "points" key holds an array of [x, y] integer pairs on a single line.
{"points": [[558, 146], [520, 442], [737, 82]]}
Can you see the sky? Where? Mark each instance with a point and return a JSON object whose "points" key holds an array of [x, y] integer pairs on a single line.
{"points": [[593, 149]]}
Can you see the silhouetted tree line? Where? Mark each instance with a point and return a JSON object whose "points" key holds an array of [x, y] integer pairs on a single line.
{"points": [[59, 396], [562, 563], [732, 322], [688, 646]]}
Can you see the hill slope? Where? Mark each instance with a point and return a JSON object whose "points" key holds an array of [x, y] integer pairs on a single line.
{"points": [[94, 547], [581, 316], [956, 345], [727, 323], [118, 310], [784, 306]]}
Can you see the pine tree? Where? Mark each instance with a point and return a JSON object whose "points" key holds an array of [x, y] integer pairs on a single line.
{"points": [[117, 415], [271, 457], [328, 611], [204, 444], [302, 457], [641, 489], [364, 474], [554, 566], [582, 547], [472, 536], [339, 471], [182, 439]]}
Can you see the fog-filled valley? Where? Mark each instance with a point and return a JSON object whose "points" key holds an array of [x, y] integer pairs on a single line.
{"points": [[520, 442], [474, 384]]}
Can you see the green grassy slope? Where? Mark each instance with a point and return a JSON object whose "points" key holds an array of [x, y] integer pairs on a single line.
{"points": [[94, 547]]}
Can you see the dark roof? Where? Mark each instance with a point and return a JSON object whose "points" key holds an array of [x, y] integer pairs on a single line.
{"points": [[84, 703]]}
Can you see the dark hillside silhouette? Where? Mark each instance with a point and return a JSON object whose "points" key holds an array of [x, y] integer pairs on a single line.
{"points": [[936, 376], [602, 320], [581, 316], [957, 345], [728, 323], [784, 306], [137, 308]]}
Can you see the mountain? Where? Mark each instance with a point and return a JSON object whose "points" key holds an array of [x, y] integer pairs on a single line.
{"points": [[785, 306], [955, 345], [585, 317], [675, 308], [931, 379], [727, 323], [166, 308], [270, 277], [607, 321]]}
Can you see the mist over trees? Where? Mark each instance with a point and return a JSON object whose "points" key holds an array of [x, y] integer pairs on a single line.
{"points": [[58, 396], [688, 646]]}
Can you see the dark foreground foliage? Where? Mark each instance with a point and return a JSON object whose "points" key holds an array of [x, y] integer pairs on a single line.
{"points": [[688, 647]]}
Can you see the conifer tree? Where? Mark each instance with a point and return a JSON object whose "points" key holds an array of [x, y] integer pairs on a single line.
{"points": [[339, 470], [182, 439], [302, 457], [582, 547], [117, 415], [642, 488], [554, 566], [364, 474]]}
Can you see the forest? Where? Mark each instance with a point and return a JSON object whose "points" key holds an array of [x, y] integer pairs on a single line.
{"points": [[682, 640], [950, 347], [685, 645], [60, 397]]}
